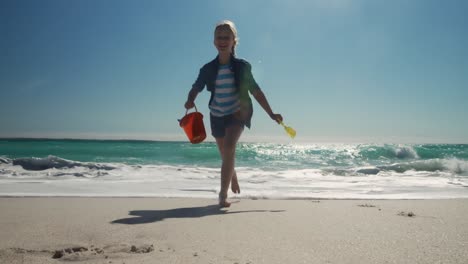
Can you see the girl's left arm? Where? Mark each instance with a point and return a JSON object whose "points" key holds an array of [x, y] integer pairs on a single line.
{"points": [[262, 100]]}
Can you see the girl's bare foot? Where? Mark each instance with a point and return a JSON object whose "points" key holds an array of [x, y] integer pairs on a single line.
{"points": [[235, 184], [223, 201]]}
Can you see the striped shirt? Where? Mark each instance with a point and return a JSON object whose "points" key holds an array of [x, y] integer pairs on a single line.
{"points": [[226, 99]]}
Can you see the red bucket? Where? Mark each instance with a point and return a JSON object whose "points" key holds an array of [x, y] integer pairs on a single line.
{"points": [[193, 126]]}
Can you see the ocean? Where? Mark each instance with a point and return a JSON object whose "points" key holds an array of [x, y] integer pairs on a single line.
{"points": [[128, 168]]}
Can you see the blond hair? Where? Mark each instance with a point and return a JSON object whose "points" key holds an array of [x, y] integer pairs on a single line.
{"points": [[229, 24]]}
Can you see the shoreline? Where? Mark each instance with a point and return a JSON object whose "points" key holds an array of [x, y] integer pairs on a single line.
{"points": [[195, 230], [235, 198]]}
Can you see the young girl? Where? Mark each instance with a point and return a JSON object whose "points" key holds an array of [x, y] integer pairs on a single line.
{"points": [[229, 79]]}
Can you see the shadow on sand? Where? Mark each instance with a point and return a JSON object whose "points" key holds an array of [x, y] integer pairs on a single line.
{"points": [[151, 216]]}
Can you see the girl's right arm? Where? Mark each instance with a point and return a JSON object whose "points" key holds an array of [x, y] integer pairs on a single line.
{"points": [[196, 88], [191, 98]]}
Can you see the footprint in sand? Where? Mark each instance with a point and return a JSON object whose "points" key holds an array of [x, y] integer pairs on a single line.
{"points": [[366, 205], [407, 214], [76, 253]]}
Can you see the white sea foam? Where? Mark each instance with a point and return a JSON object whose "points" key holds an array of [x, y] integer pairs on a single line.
{"points": [[405, 152], [417, 179]]}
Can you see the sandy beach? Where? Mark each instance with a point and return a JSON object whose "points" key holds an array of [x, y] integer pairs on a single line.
{"points": [[163, 230]]}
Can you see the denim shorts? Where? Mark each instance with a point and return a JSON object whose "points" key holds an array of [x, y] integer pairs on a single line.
{"points": [[220, 123]]}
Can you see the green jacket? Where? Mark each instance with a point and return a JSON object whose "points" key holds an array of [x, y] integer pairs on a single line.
{"points": [[243, 81]]}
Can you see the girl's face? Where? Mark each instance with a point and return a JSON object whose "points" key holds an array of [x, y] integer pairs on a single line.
{"points": [[224, 40]]}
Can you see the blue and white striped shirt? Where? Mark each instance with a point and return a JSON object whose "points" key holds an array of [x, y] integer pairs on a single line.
{"points": [[226, 99]]}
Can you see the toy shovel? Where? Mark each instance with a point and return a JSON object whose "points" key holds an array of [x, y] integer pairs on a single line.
{"points": [[291, 132]]}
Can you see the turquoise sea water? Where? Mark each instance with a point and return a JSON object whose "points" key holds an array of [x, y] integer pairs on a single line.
{"points": [[248, 154], [307, 170]]}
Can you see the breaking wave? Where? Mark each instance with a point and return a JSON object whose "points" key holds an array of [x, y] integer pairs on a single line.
{"points": [[39, 164], [454, 166]]}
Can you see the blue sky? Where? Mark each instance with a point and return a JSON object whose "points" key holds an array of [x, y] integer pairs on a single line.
{"points": [[337, 70]]}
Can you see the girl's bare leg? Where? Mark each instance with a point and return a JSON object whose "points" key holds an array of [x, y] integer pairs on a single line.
{"points": [[227, 148], [234, 183]]}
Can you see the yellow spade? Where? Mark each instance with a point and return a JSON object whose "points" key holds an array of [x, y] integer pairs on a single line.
{"points": [[291, 132]]}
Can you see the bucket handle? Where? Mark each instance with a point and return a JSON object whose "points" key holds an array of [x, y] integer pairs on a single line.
{"points": [[196, 110]]}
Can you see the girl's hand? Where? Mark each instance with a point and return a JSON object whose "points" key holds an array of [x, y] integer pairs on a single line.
{"points": [[189, 104], [277, 117]]}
